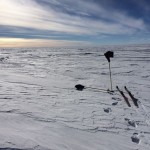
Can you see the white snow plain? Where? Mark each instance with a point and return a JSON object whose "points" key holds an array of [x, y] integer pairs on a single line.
{"points": [[41, 110]]}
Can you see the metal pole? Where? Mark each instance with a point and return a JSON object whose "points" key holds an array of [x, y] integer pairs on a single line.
{"points": [[110, 77]]}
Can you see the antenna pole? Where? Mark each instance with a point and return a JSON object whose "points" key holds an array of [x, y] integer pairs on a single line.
{"points": [[108, 55], [110, 77]]}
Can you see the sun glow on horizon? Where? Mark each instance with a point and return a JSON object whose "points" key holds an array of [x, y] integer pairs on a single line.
{"points": [[21, 42]]}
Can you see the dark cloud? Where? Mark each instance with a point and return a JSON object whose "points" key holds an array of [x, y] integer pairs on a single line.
{"points": [[30, 33], [135, 8], [139, 9]]}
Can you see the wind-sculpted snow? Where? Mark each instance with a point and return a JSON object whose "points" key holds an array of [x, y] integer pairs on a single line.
{"points": [[41, 109]]}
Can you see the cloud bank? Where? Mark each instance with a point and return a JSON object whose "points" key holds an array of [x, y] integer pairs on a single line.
{"points": [[67, 19]]}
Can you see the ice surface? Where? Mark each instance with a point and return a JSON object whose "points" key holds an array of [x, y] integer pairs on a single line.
{"points": [[40, 108]]}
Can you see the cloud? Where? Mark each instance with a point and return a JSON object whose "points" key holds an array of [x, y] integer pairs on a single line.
{"points": [[78, 17]]}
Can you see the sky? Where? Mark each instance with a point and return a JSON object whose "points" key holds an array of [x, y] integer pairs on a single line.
{"points": [[50, 23]]}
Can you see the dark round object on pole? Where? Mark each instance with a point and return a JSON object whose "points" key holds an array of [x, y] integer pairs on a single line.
{"points": [[108, 55]]}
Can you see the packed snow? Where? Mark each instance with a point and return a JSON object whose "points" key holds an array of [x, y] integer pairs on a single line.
{"points": [[40, 108]]}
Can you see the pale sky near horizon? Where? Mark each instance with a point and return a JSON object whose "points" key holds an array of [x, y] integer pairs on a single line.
{"points": [[49, 23]]}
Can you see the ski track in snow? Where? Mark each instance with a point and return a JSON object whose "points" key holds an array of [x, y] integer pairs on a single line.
{"points": [[41, 110]]}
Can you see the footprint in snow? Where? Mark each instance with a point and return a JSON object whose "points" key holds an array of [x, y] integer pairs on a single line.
{"points": [[135, 138], [107, 110], [115, 103], [131, 122], [115, 98]]}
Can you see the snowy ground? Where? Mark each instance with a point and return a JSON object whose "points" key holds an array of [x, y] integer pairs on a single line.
{"points": [[40, 108]]}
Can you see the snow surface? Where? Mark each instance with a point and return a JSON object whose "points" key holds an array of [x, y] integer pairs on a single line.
{"points": [[40, 108]]}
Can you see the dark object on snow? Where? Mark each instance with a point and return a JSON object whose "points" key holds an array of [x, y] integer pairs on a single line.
{"points": [[135, 100], [108, 55], [79, 87], [135, 139], [132, 123], [115, 103], [107, 110], [125, 98]]}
